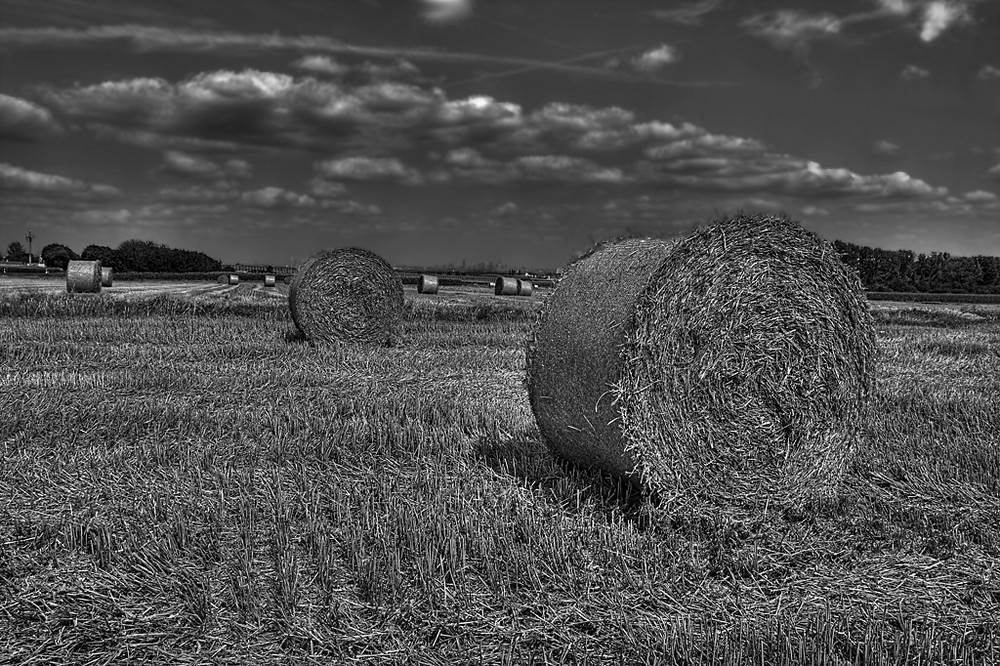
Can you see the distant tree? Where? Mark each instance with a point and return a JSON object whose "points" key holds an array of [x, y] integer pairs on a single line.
{"points": [[57, 255], [16, 252], [100, 253]]}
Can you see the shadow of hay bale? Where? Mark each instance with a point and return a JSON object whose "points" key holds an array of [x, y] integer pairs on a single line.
{"points": [[525, 457]]}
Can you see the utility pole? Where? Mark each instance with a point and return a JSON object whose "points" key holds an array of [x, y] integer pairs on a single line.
{"points": [[30, 238]]}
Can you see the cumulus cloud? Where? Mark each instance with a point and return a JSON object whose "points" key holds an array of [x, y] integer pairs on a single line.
{"points": [[656, 59], [994, 172], [368, 169], [988, 73], [325, 189], [25, 121], [183, 164], [939, 15], [446, 11], [321, 64], [16, 179], [887, 148], [913, 73], [979, 195], [276, 197], [506, 209]]}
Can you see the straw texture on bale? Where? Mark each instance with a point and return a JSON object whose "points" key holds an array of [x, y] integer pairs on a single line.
{"points": [[107, 276], [269, 280], [83, 277], [729, 366], [524, 287], [428, 284], [347, 295], [505, 286]]}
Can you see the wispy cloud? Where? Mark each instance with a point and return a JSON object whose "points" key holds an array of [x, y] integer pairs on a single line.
{"points": [[18, 180], [792, 29], [152, 38], [691, 14], [887, 148]]}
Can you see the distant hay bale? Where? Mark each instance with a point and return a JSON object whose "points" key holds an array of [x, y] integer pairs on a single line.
{"points": [[269, 280], [222, 279], [505, 286], [83, 277], [231, 278], [726, 367], [288, 279], [347, 295], [107, 276], [427, 284], [524, 287]]}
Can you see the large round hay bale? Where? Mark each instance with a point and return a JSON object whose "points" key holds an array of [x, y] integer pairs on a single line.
{"points": [[427, 284], [269, 280], [524, 287], [728, 366], [347, 295], [222, 279], [83, 277], [107, 276], [505, 286]]}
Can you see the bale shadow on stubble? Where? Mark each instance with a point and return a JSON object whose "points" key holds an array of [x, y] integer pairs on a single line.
{"points": [[525, 457]]}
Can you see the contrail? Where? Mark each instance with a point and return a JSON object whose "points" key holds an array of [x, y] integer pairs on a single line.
{"points": [[152, 38]]}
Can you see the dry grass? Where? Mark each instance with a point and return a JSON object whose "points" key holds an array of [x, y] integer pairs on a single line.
{"points": [[398, 506], [728, 368]]}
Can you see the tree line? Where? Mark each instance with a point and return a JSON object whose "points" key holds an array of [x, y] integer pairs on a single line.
{"points": [[131, 255], [937, 272], [879, 270]]}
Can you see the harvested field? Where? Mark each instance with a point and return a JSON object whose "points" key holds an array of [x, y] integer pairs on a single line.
{"points": [[399, 506]]}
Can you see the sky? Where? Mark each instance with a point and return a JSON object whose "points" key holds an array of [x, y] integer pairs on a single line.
{"points": [[511, 131]]}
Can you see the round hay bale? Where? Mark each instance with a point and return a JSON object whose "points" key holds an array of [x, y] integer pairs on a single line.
{"points": [[288, 279], [269, 280], [223, 279], [347, 295], [524, 287], [730, 366], [234, 278], [505, 286], [427, 284], [107, 276], [83, 277]]}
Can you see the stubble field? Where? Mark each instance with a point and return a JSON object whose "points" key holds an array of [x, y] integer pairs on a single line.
{"points": [[184, 480]]}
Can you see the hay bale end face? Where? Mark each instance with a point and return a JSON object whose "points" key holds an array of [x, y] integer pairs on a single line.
{"points": [[729, 366], [505, 286], [222, 279], [524, 288], [347, 295], [107, 276], [427, 284], [83, 277], [269, 280]]}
